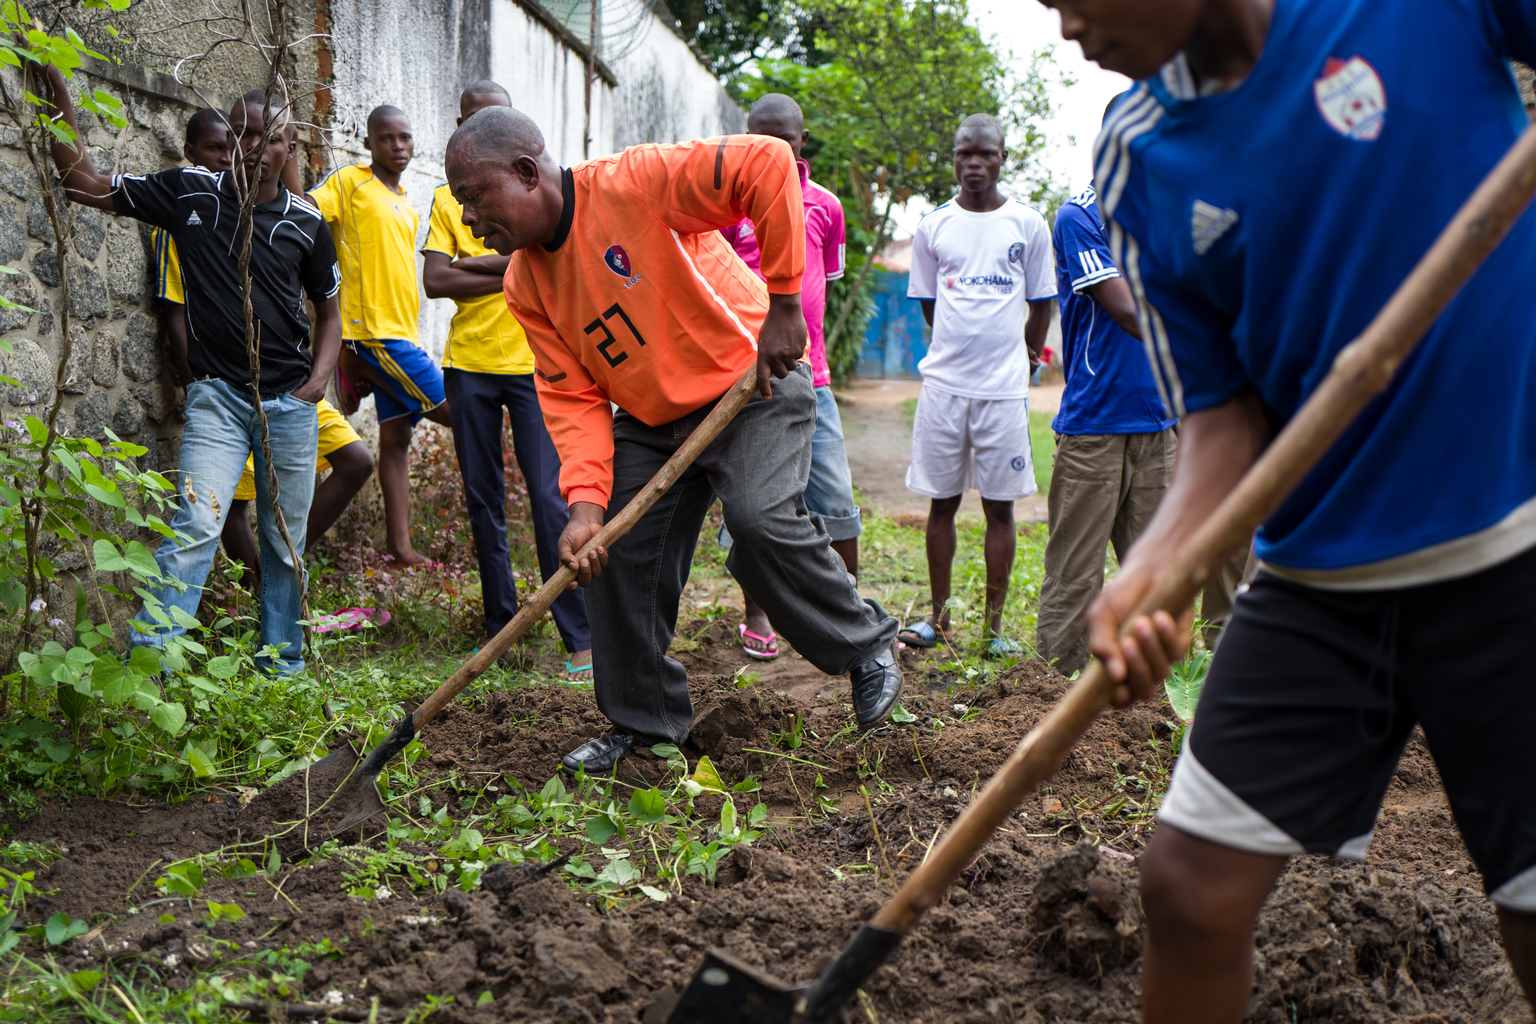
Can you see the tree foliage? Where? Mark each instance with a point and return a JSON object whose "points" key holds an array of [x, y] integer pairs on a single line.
{"points": [[893, 81], [732, 33]]}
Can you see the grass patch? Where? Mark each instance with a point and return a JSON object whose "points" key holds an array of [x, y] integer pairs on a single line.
{"points": [[1042, 443]]}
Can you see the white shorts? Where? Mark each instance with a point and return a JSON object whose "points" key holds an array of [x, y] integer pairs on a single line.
{"points": [[961, 444]]}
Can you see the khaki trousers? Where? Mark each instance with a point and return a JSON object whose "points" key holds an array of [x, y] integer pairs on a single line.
{"points": [[1104, 489]]}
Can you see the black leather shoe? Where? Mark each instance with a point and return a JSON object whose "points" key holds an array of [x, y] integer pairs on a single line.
{"points": [[876, 685], [598, 756]]}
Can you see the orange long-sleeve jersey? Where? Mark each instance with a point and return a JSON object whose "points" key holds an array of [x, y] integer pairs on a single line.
{"points": [[640, 301]]}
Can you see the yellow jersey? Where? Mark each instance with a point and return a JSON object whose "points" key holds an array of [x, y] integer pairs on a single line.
{"points": [[485, 337], [375, 233], [167, 268]]}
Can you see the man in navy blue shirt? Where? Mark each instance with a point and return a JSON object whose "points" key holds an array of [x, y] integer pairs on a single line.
{"points": [[1273, 177], [1115, 442]]}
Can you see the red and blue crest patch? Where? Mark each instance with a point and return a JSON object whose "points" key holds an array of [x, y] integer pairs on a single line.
{"points": [[618, 261]]}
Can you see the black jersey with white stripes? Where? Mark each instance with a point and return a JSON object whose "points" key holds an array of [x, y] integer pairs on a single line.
{"points": [[292, 256]]}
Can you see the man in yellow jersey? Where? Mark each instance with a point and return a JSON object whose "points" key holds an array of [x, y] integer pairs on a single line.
{"points": [[488, 367], [374, 225], [341, 450]]}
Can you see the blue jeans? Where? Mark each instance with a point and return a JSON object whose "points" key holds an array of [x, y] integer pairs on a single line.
{"points": [[222, 431], [829, 489]]}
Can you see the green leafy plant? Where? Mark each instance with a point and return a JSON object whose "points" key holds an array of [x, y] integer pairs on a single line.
{"points": [[1185, 681]]}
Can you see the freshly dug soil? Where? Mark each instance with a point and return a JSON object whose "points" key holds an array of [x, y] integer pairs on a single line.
{"points": [[1044, 926]]}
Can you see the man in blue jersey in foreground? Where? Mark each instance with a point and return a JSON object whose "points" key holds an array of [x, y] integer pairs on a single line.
{"points": [[1115, 442], [1272, 179]]}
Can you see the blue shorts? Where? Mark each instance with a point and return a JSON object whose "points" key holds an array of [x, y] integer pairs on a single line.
{"points": [[416, 384], [829, 491]]}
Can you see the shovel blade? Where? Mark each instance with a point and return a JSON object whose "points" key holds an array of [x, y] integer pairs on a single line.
{"points": [[356, 802], [727, 991]]}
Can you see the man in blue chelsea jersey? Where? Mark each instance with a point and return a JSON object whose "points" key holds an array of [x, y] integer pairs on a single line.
{"points": [[1277, 171]]}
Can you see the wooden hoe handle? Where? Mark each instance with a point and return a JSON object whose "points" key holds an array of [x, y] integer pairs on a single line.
{"points": [[534, 608], [1361, 371]]}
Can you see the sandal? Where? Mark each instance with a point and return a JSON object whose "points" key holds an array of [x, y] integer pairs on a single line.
{"points": [[350, 618], [578, 673], [349, 395], [922, 634], [770, 643], [1001, 647]]}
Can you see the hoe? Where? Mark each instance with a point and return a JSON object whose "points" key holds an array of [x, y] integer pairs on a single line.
{"points": [[726, 991], [357, 798]]}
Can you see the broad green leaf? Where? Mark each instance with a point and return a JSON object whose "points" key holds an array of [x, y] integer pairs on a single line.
{"points": [[142, 560], [601, 828], [620, 872], [757, 815], [169, 716], [184, 879], [201, 766], [648, 805], [225, 911], [1185, 683], [74, 704], [85, 981], [145, 661], [60, 929], [108, 495], [654, 893], [223, 667], [108, 558], [706, 776], [665, 751], [114, 684], [728, 818], [199, 683], [903, 716]]}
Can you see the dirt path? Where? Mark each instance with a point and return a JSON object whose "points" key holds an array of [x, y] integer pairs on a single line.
{"points": [[878, 429]]}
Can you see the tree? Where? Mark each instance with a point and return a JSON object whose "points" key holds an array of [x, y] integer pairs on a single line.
{"points": [[882, 111], [732, 33]]}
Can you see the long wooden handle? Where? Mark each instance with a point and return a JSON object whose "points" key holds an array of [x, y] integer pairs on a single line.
{"points": [[1360, 372], [533, 609]]}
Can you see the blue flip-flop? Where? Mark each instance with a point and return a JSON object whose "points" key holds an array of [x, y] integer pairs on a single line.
{"points": [[1001, 647], [920, 634]]}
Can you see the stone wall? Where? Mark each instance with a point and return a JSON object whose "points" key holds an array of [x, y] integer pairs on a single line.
{"points": [[115, 377]]}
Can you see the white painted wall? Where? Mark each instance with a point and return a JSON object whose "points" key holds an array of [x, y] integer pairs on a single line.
{"points": [[418, 56]]}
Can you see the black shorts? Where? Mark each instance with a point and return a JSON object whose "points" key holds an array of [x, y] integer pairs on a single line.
{"points": [[1313, 694]]}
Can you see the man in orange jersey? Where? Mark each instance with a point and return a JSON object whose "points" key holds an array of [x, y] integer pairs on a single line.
{"points": [[629, 295]]}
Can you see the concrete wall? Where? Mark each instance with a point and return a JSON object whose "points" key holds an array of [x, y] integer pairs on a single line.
{"points": [[415, 56]]}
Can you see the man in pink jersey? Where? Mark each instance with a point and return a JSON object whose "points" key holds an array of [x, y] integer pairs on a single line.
{"points": [[829, 489]]}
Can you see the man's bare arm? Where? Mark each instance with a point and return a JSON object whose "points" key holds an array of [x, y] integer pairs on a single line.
{"points": [[443, 278], [77, 173], [1216, 447], [327, 346], [174, 316], [1115, 296], [1036, 326], [491, 263]]}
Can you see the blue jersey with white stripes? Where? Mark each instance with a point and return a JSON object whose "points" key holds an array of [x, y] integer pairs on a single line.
{"points": [[1261, 229], [1109, 384]]}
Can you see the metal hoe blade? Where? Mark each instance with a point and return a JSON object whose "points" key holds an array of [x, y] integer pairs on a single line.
{"points": [[725, 989], [359, 798]]}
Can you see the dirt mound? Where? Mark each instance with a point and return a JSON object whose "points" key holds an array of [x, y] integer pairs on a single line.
{"points": [[1087, 911], [1042, 926]]}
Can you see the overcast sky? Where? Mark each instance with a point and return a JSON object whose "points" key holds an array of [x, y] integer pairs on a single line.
{"points": [[1024, 26]]}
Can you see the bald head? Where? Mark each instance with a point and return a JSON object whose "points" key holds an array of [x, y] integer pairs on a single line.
{"points": [[382, 112], [508, 183], [779, 116], [982, 125], [503, 133], [481, 94]]}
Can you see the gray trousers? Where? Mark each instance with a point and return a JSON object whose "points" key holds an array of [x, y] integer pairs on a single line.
{"points": [[782, 556]]}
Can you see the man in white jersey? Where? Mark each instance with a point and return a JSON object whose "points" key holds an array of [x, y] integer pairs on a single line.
{"points": [[976, 262]]}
